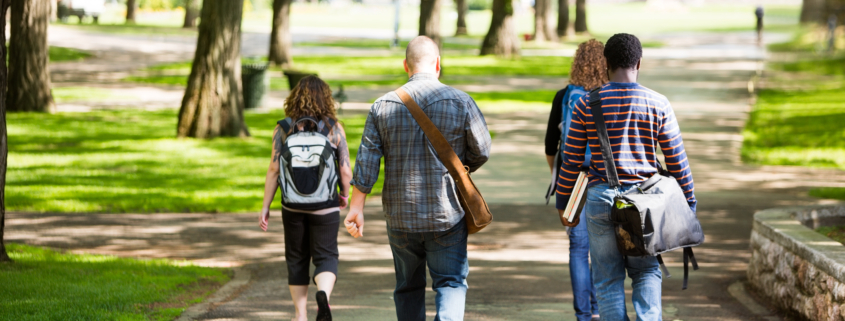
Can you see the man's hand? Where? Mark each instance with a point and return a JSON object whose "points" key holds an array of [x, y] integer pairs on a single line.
{"points": [[566, 222], [355, 223], [263, 218]]}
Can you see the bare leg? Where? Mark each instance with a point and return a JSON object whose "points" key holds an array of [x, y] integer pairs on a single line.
{"points": [[299, 293], [325, 282]]}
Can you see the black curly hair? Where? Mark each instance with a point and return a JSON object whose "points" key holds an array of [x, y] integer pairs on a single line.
{"points": [[623, 51]]}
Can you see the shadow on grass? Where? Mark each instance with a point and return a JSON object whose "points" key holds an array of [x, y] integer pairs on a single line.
{"points": [[130, 161], [47, 285]]}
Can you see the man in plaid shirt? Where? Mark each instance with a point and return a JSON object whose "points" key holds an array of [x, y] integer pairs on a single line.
{"points": [[424, 218]]}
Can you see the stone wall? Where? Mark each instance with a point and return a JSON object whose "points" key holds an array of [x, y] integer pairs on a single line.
{"points": [[799, 270]]}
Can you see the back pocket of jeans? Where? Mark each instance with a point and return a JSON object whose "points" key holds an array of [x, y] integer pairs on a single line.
{"points": [[451, 237], [397, 239]]}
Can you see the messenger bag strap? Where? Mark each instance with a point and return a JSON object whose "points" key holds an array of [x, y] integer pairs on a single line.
{"points": [[604, 141], [441, 146]]}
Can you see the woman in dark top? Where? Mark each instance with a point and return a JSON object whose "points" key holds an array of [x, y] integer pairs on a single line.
{"points": [[310, 234], [589, 71]]}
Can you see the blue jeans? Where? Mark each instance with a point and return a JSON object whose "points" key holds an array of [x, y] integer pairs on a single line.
{"points": [[609, 266], [446, 255], [583, 291]]}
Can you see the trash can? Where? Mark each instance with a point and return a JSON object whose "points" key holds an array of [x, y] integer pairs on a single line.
{"points": [[294, 76], [255, 82]]}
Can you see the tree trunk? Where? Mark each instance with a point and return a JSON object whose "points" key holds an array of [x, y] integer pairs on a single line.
{"points": [[811, 11], [501, 39], [191, 12], [430, 19], [130, 11], [562, 17], [280, 40], [213, 104], [543, 21], [29, 79], [580, 16], [463, 8], [4, 143]]}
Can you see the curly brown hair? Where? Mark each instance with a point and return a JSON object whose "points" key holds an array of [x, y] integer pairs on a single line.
{"points": [[311, 97], [589, 68]]}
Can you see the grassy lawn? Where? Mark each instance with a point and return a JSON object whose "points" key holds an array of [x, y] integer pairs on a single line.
{"points": [[373, 72], [129, 161], [837, 233], [44, 284], [799, 117], [58, 54]]}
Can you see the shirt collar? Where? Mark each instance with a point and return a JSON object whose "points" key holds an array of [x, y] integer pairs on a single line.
{"points": [[423, 76]]}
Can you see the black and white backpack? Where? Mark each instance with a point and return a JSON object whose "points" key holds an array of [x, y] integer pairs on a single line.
{"points": [[308, 168]]}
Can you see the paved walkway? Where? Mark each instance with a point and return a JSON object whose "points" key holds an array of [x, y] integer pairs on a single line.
{"points": [[519, 267]]}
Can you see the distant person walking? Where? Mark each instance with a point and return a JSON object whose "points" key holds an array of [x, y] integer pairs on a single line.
{"points": [[638, 120], [310, 161], [425, 223], [589, 71]]}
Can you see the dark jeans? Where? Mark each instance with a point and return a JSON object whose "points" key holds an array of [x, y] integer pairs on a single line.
{"points": [[310, 237], [446, 255], [583, 291]]}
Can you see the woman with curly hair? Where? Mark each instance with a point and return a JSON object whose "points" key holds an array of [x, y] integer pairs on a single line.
{"points": [[589, 70], [310, 224]]}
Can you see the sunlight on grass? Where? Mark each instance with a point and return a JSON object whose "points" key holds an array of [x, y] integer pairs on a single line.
{"points": [[804, 126], [66, 94], [129, 161], [44, 284]]}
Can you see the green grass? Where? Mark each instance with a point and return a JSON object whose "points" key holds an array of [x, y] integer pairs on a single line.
{"points": [[68, 94], [129, 161], [837, 233], [58, 54], [44, 284], [798, 119], [371, 72], [381, 44]]}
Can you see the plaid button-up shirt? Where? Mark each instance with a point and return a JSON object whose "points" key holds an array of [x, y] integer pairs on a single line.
{"points": [[419, 195]]}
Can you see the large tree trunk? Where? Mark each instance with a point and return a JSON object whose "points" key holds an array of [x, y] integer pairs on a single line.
{"points": [[580, 16], [430, 19], [501, 39], [213, 104], [543, 21], [463, 8], [4, 143], [191, 11], [29, 79], [280, 40], [130, 11], [562, 17]]}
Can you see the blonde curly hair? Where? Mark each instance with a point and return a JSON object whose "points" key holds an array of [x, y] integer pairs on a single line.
{"points": [[589, 68], [311, 97]]}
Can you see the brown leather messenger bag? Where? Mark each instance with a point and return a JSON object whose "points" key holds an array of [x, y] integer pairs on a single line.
{"points": [[477, 214]]}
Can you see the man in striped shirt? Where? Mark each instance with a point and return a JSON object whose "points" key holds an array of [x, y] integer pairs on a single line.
{"points": [[638, 121]]}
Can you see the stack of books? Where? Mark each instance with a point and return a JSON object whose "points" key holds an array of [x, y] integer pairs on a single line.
{"points": [[576, 201]]}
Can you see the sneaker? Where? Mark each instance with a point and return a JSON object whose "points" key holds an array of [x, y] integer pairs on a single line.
{"points": [[324, 312]]}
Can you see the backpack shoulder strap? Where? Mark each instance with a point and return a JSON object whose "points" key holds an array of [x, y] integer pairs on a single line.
{"points": [[604, 141], [286, 124], [328, 125]]}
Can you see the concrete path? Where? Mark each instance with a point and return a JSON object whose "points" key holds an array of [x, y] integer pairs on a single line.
{"points": [[519, 267]]}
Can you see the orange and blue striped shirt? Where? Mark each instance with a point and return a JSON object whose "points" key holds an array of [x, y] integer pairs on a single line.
{"points": [[638, 121]]}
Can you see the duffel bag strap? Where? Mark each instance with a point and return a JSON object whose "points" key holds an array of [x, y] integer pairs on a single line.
{"points": [[688, 257], [663, 266], [604, 141]]}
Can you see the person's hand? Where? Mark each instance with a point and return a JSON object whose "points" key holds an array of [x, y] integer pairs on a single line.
{"points": [[344, 201], [263, 218], [355, 223], [566, 222]]}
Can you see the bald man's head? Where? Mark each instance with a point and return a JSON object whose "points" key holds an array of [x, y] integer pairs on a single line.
{"points": [[421, 54]]}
